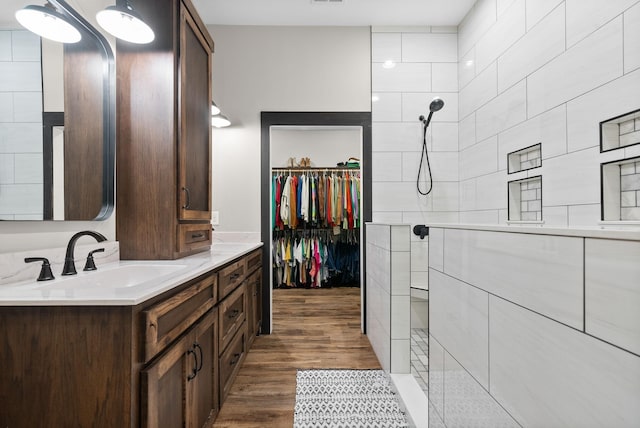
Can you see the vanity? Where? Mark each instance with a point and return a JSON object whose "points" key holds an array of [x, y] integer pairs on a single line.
{"points": [[133, 350]]}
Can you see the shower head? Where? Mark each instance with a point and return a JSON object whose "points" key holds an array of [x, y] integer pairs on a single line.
{"points": [[436, 104]]}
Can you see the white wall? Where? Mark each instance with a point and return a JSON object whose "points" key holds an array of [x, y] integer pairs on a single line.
{"points": [[324, 146], [276, 69], [548, 72]]}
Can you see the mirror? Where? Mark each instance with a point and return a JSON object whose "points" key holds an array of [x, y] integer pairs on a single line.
{"points": [[57, 119]]}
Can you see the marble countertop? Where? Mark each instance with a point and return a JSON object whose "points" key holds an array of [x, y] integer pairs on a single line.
{"points": [[119, 283]]}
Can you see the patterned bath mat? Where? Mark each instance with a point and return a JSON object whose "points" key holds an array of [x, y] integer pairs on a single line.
{"points": [[346, 399]]}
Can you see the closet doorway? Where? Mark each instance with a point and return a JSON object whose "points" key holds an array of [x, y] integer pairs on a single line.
{"points": [[327, 139]]}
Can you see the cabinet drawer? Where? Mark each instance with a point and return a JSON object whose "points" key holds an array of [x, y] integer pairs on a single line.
{"points": [[254, 260], [230, 277], [193, 237], [230, 361], [232, 312], [166, 321]]}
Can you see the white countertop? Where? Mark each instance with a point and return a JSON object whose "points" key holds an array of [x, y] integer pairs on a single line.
{"points": [[603, 232], [90, 288]]}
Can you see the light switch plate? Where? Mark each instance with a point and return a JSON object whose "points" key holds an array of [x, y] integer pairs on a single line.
{"points": [[215, 218]]}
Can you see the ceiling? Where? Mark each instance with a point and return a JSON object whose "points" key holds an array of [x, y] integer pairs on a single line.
{"points": [[297, 12], [347, 12]]}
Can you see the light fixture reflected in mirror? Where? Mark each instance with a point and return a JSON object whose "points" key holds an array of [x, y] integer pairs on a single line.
{"points": [[47, 22], [125, 23], [220, 121], [214, 109]]}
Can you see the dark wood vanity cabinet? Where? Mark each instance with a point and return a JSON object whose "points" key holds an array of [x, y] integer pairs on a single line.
{"points": [[168, 362], [163, 150]]}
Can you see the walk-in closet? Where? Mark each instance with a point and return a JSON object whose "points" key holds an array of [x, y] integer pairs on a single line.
{"points": [[316, 198]]}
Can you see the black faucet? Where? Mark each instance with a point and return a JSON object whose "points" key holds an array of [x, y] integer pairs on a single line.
{"points": [[69, 264]]}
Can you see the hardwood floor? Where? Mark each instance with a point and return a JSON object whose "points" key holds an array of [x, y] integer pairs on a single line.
{"points": [[313, 329]]}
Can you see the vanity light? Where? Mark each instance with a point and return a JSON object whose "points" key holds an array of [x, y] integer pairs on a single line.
{"points": [[214, 109], [220, 121], [125, 23], [47, 22]]}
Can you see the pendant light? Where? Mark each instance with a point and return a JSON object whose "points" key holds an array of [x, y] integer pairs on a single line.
{"points": [[125, 23], [214, 109], [47, 22], [220, 121]]}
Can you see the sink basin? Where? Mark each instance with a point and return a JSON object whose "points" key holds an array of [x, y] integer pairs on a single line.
{"points": [[119, 276]]}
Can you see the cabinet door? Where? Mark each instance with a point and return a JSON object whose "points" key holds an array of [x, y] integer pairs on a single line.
{"points": [[163, 398], [203, 394], [255, 303], [194, 139]]}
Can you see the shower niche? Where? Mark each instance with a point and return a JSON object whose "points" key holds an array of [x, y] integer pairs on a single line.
{"points": [[525, 200], [620, 179]]}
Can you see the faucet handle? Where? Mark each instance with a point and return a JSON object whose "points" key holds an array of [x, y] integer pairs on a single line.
{"points": [[90, 264], [45, 272]]}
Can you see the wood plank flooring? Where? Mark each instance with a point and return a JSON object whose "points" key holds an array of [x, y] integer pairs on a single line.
{"points": [[313, 329]]}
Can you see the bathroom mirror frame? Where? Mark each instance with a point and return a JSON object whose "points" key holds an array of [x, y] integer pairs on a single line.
{"points": [[108, 124], [108, 108]]}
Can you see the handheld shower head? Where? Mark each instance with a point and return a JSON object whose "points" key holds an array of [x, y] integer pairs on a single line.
{"points": [[436, 104]]}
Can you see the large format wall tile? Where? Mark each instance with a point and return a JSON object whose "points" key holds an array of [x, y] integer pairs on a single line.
{"points": [[506, 110], [458, 319], [612, 292], [467, 132], [480, 90], [429, 47], [632, 38], [537, 10], [386, 166], [586, 16], [436, 249], [540, 272], [466, 403], [543, 43], [509, 28], [395, 136], [387, 107], [491, 191], [386, 47], [613, 99], [479, 159], [404, 77], [436, 375], [444, 77], [572, 179], [479, 19], [549, 128], [548, 375], [592, 62]]}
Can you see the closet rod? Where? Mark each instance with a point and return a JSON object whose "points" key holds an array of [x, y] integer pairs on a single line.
{"points": [[314, 168]]}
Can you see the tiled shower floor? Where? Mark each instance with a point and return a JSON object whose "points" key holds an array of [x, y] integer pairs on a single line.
{"points": [[419, 356]]}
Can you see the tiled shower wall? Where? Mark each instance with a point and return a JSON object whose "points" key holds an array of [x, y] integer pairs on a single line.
{"points": [[630, 191], [423, 65], [543, 72], [20, 126]]}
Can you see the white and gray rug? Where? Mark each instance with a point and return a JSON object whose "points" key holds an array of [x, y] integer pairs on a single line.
{"points": [[346, 399]]}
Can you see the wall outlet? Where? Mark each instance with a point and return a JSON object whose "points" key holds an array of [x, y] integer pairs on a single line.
{"points": [[215, 218]]}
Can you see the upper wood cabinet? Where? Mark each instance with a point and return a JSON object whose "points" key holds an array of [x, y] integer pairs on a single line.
{"points": [[163, 148]]}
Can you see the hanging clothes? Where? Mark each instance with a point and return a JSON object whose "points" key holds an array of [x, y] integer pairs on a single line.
{"points": [[314, 259], [306, 199]]}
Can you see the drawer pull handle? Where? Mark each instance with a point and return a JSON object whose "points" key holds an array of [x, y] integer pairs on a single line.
{"points": [[197, 235], [194, 372], [234, 313], [197, 345], [234, 276], [234, 360]]}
